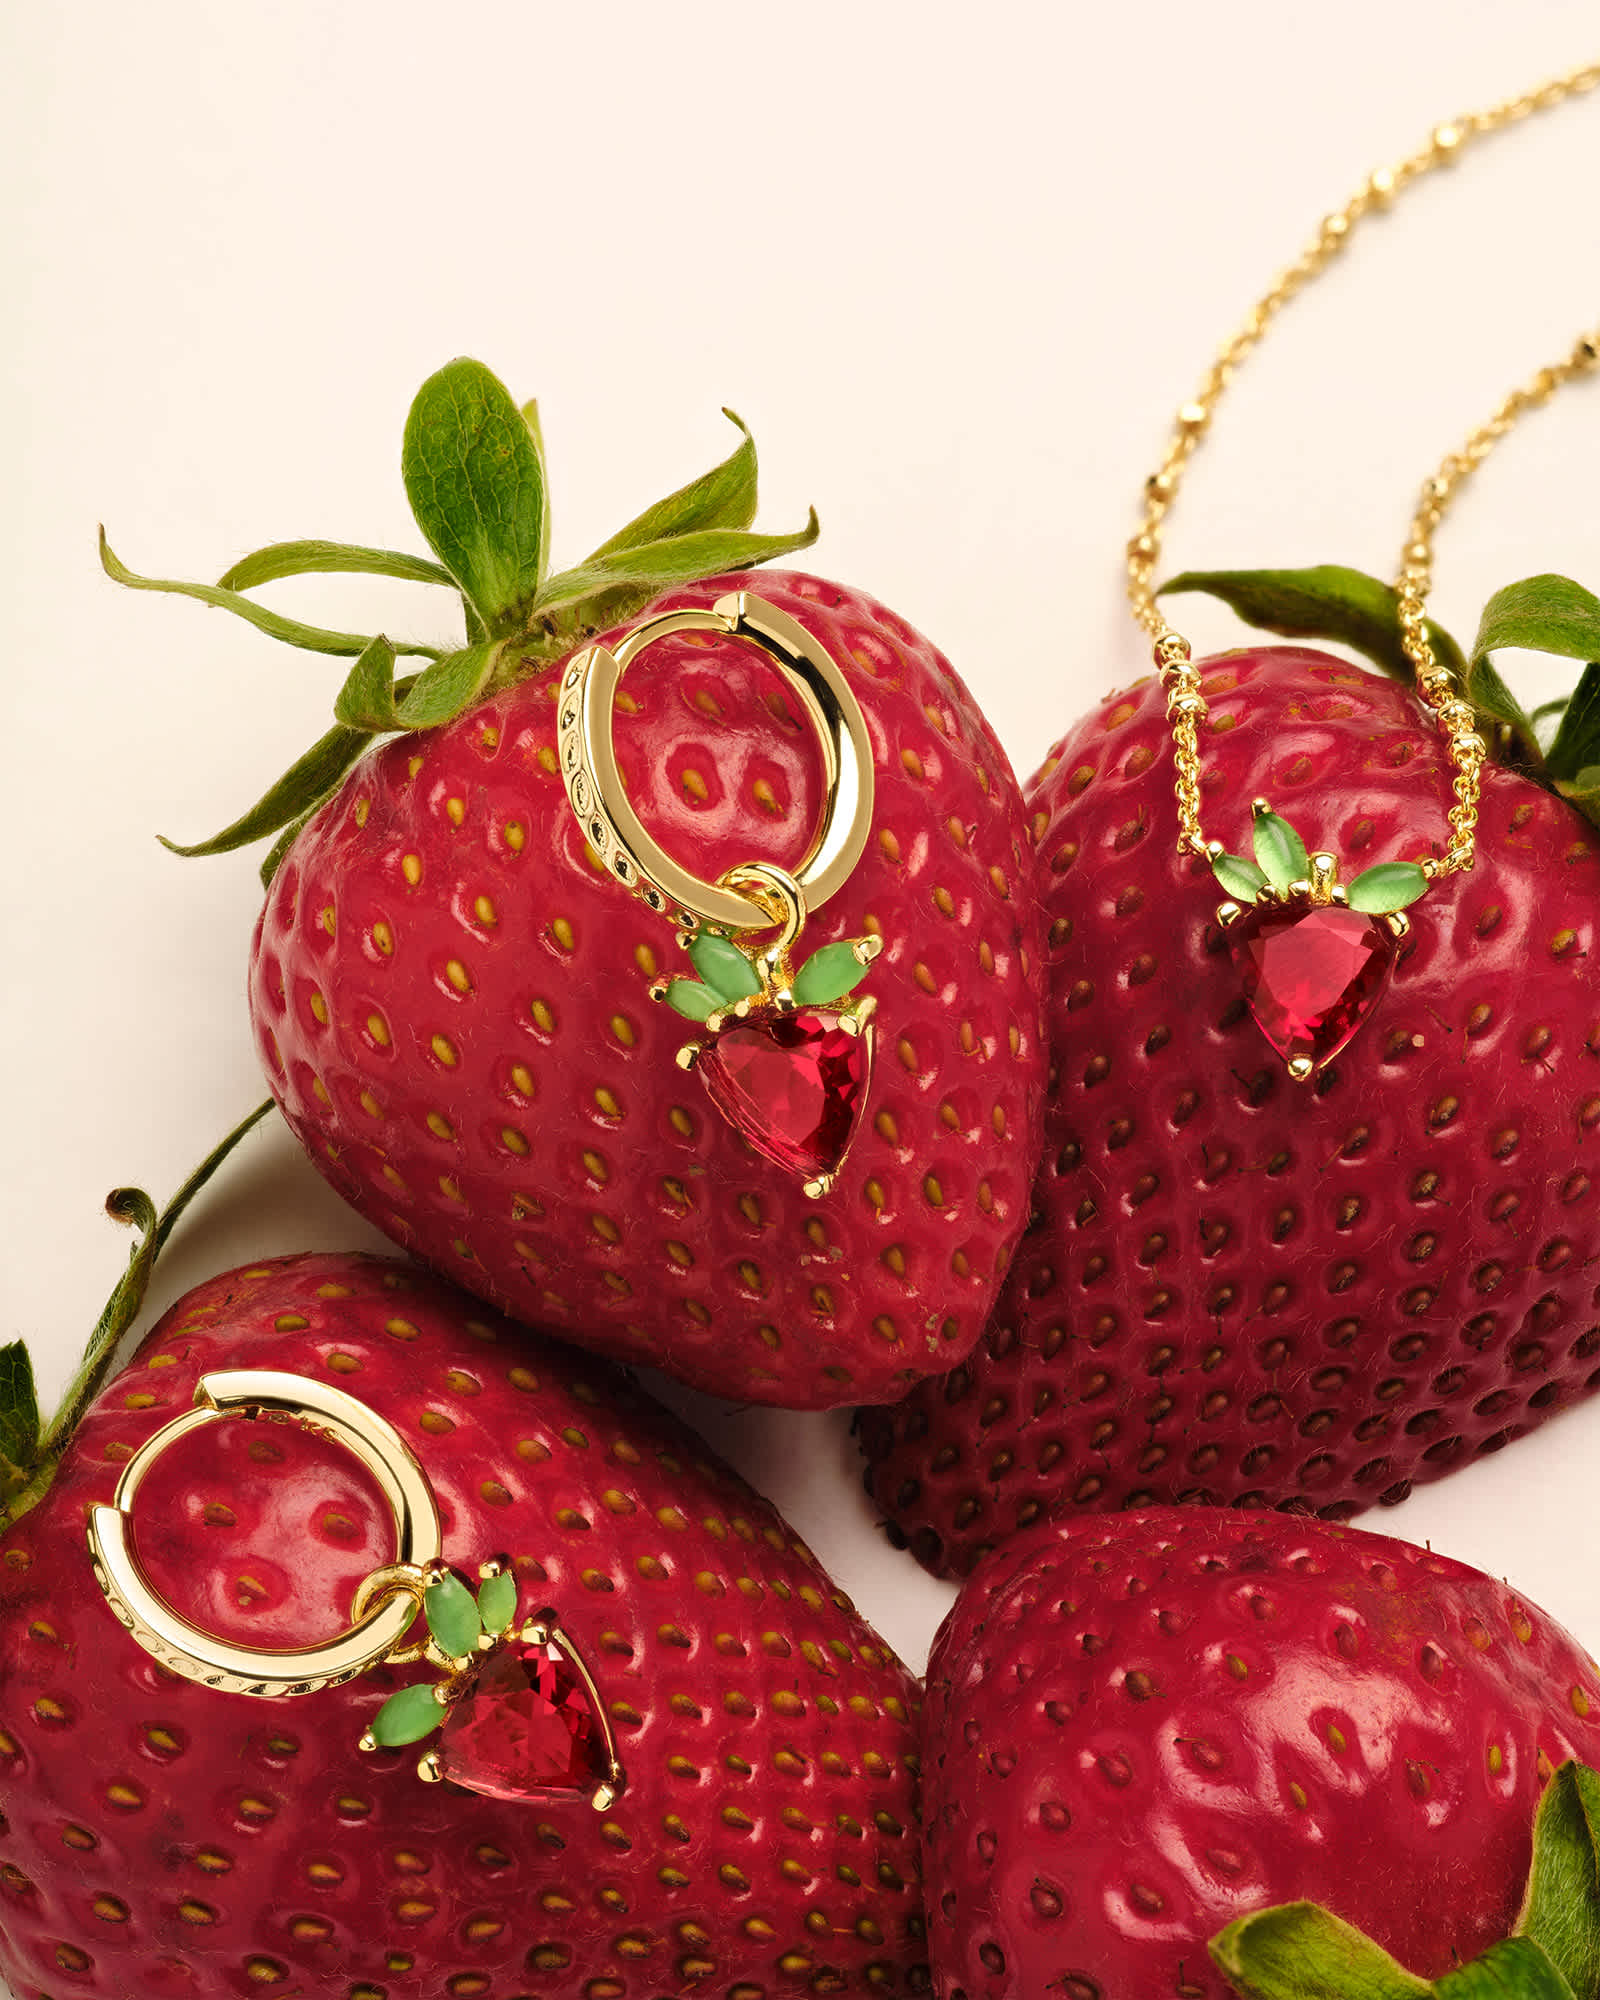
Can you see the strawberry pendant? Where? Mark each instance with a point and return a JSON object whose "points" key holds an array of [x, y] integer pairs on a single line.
{"points": [[519, 1714], [784, 1064], [1313, 957]]}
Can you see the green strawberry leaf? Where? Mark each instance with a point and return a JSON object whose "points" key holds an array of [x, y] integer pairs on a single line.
{"points": [[366, 701], [530, 416], [406, 1717], [1561, 1911], [828, 974], [440, 692], [723, 967], [343, 558], [1389, 886], [1576, 744], [452, 1616], [1300, 1952], [627, 578], [303, 786], [19, 1418], [724, 497], [1541, 614], [1239, 877], [1327, 602], [692, 1000], [497, 1602], [475, 480], [1515, 1969], [1583, 792], [1280, 852], [310, 638]]}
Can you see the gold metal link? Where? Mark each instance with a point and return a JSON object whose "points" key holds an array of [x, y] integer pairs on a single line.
{"points": [[1456, 716], [1445, 144]]}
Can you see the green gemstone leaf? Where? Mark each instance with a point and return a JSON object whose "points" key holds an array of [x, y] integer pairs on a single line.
{"points": [[724, 497], [300, 788], [1576, 744], [475, 480], [366, 701], [406, 1717], [1300, 1952], [440, 692], [311, 638], [1561, 1911], [1327, 602], [723, 967], [828, 974], [626, 579], [692, 1000], [342, 558], [1514, 1969], [19, 1418], [497, 1601], [1390, 886], [452, 1616], [1280, 852], [1239, 877]]}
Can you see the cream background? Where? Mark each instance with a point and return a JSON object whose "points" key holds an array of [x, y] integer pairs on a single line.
{"points": [[954, 265]]}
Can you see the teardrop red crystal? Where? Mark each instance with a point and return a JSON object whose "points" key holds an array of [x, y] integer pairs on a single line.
{"points": [[525, 1729], [792, 1084], [1311, 976]]}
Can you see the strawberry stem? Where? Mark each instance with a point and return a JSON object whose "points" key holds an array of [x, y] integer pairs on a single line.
{"points": [[132, 1206]]}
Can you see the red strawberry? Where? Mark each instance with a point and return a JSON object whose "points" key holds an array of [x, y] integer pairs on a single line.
{"points": [[452, 995], [160, 1838], [1241, 1289], [1138, 1730]]}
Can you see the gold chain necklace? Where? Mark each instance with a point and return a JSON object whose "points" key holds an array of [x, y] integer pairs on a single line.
{"points": [[1300, 881]]}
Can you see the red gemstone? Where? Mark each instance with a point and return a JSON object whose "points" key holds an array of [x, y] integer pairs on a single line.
{"points": [[524, 1729], [792, 1084], [1311, 976]]}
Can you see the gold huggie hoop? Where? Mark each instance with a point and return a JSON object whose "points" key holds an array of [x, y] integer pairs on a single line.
{"points": [[615, 831], [266, 1395]]}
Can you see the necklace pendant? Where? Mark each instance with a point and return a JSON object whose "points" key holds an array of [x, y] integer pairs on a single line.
{"points": [[1313, 957]]}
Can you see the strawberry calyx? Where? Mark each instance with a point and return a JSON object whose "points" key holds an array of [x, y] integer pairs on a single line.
{"points": [[1299, 1951], [1557, 746], [474, 470], [30, 1449]]}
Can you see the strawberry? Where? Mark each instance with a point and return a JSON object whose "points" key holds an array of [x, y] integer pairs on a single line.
{"points": [[452, 996], [1140, 1730], [1240, 1288], [162, 1838]]}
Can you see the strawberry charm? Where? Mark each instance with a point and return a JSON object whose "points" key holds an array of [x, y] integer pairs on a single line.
{"points": [[1313, 957], [464, 988], [520, 1716], [787, 1070]]}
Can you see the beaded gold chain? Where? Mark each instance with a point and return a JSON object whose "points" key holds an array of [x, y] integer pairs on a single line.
{"points": [[1456, 719]]}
